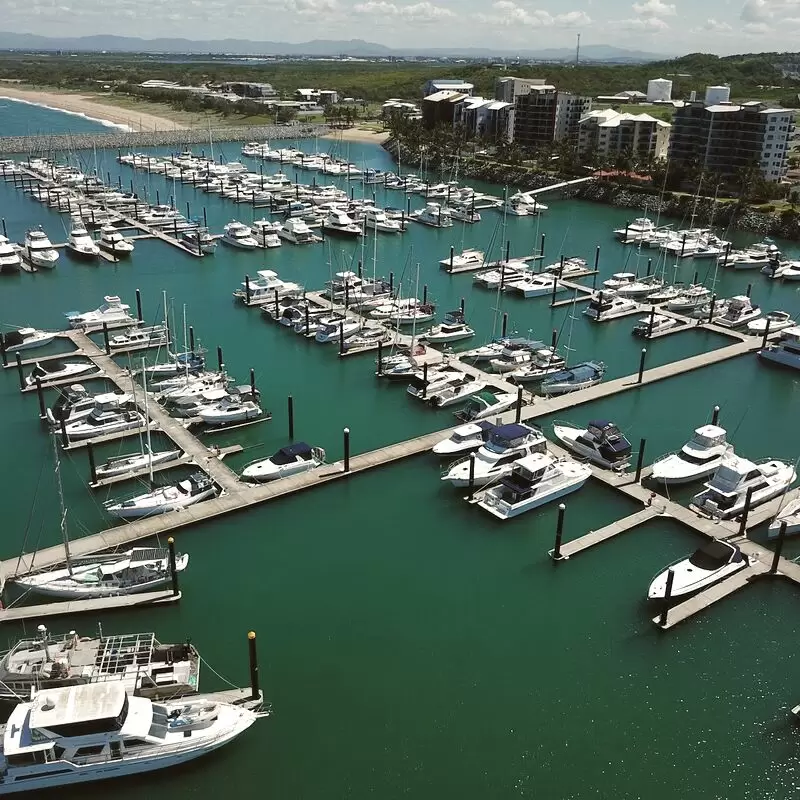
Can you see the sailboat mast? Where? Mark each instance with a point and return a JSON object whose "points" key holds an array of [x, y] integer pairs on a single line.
{"points": [[62, 506], [147, 424]]}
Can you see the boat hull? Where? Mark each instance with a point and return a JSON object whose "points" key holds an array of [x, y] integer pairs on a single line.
{"points": [[502, 510]]}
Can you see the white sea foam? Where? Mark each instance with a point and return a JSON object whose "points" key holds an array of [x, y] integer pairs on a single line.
{"points": [[106, 123]]}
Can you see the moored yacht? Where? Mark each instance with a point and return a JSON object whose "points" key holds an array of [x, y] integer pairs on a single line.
{"points": [[545, 361], [486, 404], [113, 312], [465, 438], [466, 259], [601, 442], [724, 495], [199, 240], [266, 287], [10, 260], [112, 240], [433, 215], [637, 229], [608, 305], [533, 285], [26, 339], [103, 420], [690, 298], [339, 223], [739, 312], [652, 325], [289, 460], [80, 243], [38, 249], [194, 489], [785, 352], [134, 462], [697, 459], [452, 329], [457, 393], [51, 371], [788, 514], [297, 232], [239, 235], [572, 379], [534, 480], [377, 220], [776, 320]]}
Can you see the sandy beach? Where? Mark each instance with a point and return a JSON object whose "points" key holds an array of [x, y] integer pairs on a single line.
{"points": [[90, 107], [358, 135]]}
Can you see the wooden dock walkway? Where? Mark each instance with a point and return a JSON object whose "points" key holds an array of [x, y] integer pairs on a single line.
{"points": [[572, 548], [62, 608]]}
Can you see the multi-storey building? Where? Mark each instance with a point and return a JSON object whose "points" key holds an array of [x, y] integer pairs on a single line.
{"points": [[535, 116], [446, 84], [570, 110], [727, 138], [607, 133]]}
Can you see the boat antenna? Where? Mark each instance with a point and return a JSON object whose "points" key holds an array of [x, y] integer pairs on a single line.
{"points": [[61, 505]]}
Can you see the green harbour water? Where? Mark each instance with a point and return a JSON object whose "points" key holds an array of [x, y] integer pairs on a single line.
{"points": [[410, 645]]}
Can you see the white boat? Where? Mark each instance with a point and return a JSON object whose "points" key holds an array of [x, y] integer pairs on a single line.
{"points": [[572, 379], [534, 480], [690, 298], [777, 320], [10, 260], [697, 459], [545, 361], [194, 489], [601, 442], [506, 271], [466, 259], [433, 215], [199, 240], [485, 352], [134, 462], [290, 460], [26, 339], [297, 232], [634, 231], [112, 240], [336, 331], [640, 287], [239, 235], [739, 312], [713, 562], [141, 569], [438, 379], [377, 220], [465, 438], [618, 280], [572, 267], [140, 338], [266, 287], [81, 243], [507, 444], [651, 325], [486, 404], [785, 352], [452, 329], [102, 421], [789, 514], [531, 285], [38, 249], [79, 734], [607, 305], [724, 495], [51, 371], [511, 358], [337, 222], [450, 395], [113, 313], [756, 256], [665, 293], [233, 408]]}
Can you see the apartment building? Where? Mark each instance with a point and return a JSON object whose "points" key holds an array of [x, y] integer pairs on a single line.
{"points": [[727, 138], [607, 133], [570, 110], [435, 85]]}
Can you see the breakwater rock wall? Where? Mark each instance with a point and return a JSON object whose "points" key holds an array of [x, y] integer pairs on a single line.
{"points": [[128, 140]]}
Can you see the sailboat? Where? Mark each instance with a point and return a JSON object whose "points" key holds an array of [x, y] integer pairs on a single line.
{"points": [[141, 569]]}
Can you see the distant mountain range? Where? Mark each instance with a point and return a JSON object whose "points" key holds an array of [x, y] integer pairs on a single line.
{"points": [[317, 47]]}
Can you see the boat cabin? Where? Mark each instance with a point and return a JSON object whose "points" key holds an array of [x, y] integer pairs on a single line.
{"points": [[511, 436], [524, 479], [734, 477], [607, 439], [299, 451]]}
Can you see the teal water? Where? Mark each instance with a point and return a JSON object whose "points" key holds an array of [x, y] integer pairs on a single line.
{"points": [[409, 644], [26, 119]]}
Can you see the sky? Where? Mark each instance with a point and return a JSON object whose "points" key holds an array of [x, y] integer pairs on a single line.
{"points": [[659, 26]]}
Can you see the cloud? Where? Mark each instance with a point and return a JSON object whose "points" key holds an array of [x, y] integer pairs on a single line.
{"points": [[756, 28], [764, 16], [654, 8], [712, 25], [311, 8], [510, 14], [418, 12], [641, 24]]}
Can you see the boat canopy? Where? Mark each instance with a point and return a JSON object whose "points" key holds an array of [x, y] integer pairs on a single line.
{"points": [[715, 554], [289, 454]]}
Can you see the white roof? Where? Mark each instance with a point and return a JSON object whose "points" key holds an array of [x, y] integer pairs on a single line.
{"points": [[613, 119], [77, 704], [444, 94], [710, 431]]}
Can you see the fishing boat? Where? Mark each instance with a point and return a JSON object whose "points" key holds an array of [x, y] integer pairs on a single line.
{"points": [[486, 404], [468, 258], [601, 442], [507, 444], [649, 326], [112, 240], [78, 734], [697, 459], [138, 662], [52, 371], [572, 379], [776, 320], [113, 313], [26, 339], [289, 460], [338, 223], [607, 305], [194, 489], [534, 480], [713, 562], [38, 249], [453, 328], [739, 312], [785, 352], [724, 495], [465, 438], [81, 244]]}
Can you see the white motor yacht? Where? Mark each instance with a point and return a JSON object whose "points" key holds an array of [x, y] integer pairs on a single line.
{"points": [[239, 235], [534, 480], [75, 403], [113, 312], [511, 358], [290, 460], [78, 734], [601, 442], [377, 220], [297, 232], [724, 495], [789, 514], [690, 298], [336, 331], [607, 305], [452, 329], [111, 239], [572, 379], [81, 244], [507, 444], [785, 352], [651, 325], [641, 287], [618, 280], [438, 378], [194, 489], [545, 361], [231, 409], [26, 339], [531, 285], [572, 267], [777, 321], [266, 287], [10, 260], [713, 562], [697, 459], [51, 371], [140, 338], [739, 312], [433, 215], [640, 227], [38, 249], [465, 438], [450, 395], [134, 462], [504, 272], [486, 404], [466, 259], [200, 240], [337, 222], [756, 256]]}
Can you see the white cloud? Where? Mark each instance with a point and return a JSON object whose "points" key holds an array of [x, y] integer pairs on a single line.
{"points": [[756, 28], [311, 8], [418, 12], [641, 24], [510, 14], [654, 8], [712, 25]]}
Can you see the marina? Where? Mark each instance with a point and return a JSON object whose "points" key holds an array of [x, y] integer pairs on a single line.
{"points": [[334, 538]]}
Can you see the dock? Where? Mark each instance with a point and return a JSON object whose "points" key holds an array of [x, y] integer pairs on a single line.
{"points": [[604, 534]]}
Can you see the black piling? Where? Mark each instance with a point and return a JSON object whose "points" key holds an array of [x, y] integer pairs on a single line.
{"points": [[683, 245], [554, 338], [253, 383], [541, 247], [191, 339], [778, 548], [64, 437], [346, 433], [559, 532], [391, 282], [471, 483], [425, 294], [3, 352], [508, 250], [505, 325], [662, 620], [307, 314], [650, 326], [173, 568], [748, 498], [290, 412], [641, 364], [106, 343], [715, 416], [255, 690], [277, 310], [40, 395], [452, 255], [597, 258], [380, 358], [766, 334], [20, 375], [341, 338], [749, 289], [247, 289], [711, 309], [463, 306], [92, 465], [649, 265], [220, 362], [139, 314], [640, 460], [518, 415], [425, 381]]}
